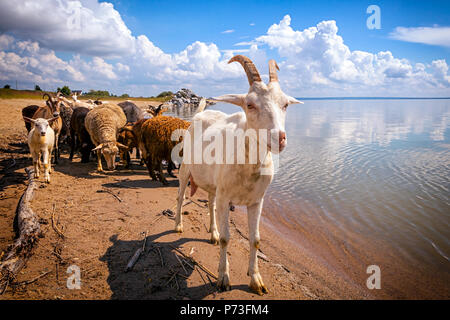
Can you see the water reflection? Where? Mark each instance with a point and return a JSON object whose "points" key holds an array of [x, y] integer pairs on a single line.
{"points": [[378, 167], [371, 121]]}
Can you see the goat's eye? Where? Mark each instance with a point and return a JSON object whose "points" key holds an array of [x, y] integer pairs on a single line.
{"points": [[285, 106], [250, 107]]}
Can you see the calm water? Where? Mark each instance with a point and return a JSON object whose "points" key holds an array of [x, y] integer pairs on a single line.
{"points": [[377, 167]]}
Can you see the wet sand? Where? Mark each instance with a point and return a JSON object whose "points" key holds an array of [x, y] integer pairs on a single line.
{"points": [[308, 260]]}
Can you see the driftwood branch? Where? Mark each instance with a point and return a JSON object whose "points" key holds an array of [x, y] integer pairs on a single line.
{"points": [[111, 193], [28, 231], [54, 224], [27, 282], [133, 259], [195, 262], [136, 255]]}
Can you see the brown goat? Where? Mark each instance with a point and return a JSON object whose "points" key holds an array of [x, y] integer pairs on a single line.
{"points": [[28, 112], [127, 138], [155, 138]]}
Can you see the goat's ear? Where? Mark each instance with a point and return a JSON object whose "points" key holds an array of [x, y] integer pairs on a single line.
{"points": [[29, 120], [52, 119], [237, 99], [292, 100]]}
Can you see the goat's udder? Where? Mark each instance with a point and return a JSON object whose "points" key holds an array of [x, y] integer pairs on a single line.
{"points": [[193, 185]]}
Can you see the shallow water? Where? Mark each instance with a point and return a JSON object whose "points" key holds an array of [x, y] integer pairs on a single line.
{"points": [[380, 168]]}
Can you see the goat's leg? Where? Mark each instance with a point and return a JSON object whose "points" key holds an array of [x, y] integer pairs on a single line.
{"points": [[149, 164], [170, 167], [50, 149], [46, 160], [56, 149], [99, 161], [222, 209], [160, 173], [72, 144], [127, 159], [254, 214], [212, 218], [58, 153], [183, 181]]}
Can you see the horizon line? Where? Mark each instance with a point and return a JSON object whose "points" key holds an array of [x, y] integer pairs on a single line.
{"points": [[373, 98]]}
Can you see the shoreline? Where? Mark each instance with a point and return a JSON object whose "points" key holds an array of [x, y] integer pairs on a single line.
{"points": [[341, 260]]}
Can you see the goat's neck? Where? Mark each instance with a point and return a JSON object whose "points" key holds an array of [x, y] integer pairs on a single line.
{"points": [[260, 163]]}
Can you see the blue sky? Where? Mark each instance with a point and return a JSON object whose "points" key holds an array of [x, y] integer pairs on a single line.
{"points": [[323, 48], [173, 25]]}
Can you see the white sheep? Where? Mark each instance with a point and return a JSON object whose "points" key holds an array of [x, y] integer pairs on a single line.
{"points": [[245, 184], [41, 141]]}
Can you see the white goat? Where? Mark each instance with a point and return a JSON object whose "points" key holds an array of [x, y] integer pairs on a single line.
{"points": [[241, 184], [41, 140]]}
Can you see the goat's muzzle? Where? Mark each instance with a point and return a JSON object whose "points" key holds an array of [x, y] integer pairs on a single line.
{"points": [[282, 140]]}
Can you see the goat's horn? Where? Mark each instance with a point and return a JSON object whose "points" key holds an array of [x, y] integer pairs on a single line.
{"points": [[121, 146], [249, 67], [98, 147], [273, 67], [46, 94]]}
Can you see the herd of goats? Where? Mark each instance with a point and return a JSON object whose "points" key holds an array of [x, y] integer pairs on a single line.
{"points": [[106, 128], [113, 129]]}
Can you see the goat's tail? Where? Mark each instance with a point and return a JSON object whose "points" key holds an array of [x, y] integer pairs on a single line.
{"points": [[201, 106]]}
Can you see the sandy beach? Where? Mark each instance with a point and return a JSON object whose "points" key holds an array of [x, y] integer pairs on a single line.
{"points": [[104, 218]]}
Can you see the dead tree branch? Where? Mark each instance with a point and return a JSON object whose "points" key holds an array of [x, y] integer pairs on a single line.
{"points": [[28, 232]]}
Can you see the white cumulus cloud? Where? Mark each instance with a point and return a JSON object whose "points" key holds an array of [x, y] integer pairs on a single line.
{"points": [[438, 36], [106, 55]]}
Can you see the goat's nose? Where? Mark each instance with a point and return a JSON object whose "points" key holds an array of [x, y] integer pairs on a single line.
{"points": [[281, 141], [282, 137]]}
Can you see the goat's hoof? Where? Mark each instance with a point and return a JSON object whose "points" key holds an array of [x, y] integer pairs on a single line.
{"points": [[179, 228], [257, 286], [215, 238], [223, 284], [260, 290]]}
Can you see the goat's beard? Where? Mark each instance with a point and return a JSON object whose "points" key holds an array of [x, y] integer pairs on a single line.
{"points": [[277, 149]]}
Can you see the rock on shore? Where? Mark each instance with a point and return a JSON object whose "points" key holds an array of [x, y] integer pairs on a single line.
{"points": [[186, 96]]}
